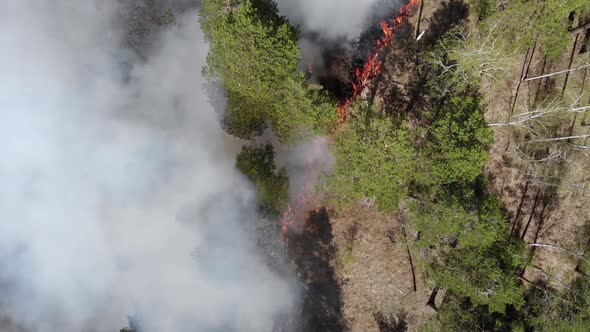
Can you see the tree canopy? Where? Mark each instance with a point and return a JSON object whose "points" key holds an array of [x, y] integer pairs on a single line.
{"points": [[254, 55], [373, 160], [257, 164], [545, 21]]}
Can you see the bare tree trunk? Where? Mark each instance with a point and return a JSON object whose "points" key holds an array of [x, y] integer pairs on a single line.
{"points": [[581, 92], [556, 73], [557, 138], [540, 82], [556, 247], [580, 28], [403, 229], [523, 74], [580, 109], [540, 269], [546, 245], [419, 19], [540, 113], [569, 66]]}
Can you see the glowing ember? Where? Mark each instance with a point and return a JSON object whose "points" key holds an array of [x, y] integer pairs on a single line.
{"points": [[373, 65]]}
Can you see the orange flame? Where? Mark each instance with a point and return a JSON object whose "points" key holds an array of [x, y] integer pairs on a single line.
{"points": [[373, 64], [293, 214]]}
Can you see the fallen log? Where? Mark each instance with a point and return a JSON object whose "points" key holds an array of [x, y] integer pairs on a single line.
{"points": [[580, 28]]}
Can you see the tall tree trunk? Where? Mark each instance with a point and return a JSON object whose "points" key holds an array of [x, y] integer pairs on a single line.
{"points": [[556, 73], [557, 138], [403, 229], [580, 28], [419, 19], [525, 70], [540, 81], [569, 66]]}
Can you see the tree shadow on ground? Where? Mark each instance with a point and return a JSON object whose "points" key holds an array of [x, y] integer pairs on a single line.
{"points": [[311, 251], [404, 86], [449, 14]]}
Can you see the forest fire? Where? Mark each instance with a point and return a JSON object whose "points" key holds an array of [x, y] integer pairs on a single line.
{"points": [[373, 66], [293, 215]]}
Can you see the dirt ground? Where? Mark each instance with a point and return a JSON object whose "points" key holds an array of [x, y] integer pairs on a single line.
{"points": [[374, 272]]}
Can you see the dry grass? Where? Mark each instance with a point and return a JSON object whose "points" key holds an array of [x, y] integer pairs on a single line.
{"points": [[568, 210], [376, 277]]}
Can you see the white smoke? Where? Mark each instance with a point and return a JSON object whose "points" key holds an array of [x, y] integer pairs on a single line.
{"points": [[336, 19], [116, 197], [306, 162]]}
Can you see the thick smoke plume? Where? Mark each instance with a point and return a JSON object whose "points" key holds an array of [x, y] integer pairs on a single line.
{"points": [[116, 196], [336, 19]]}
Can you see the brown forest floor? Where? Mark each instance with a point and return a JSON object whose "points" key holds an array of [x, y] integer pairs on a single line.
{"points": [[354, 280], [375, 276]]}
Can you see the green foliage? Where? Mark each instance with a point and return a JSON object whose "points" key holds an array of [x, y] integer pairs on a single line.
{"points": [[540, 309], [456, 143], [466, 253], [575, 325], [459, 314], [257, 164], [461, 227], [546, 21], [454, 137], [484, 8], [446, 223], [558, 310], [584, 265], [485, 275], [254, 54], [373, 159]]}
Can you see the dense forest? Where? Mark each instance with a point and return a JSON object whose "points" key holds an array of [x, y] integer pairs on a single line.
{"points": [[295, 165], [468, 144]]}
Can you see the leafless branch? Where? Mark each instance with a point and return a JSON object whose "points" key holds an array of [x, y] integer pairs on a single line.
{"points": [[558, 138], [556, 73]]}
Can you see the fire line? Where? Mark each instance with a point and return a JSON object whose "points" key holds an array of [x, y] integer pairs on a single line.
{"points": [[373, 66], [362, 76]]}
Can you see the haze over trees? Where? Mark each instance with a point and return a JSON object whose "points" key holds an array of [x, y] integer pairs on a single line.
{"points": [[421, 149]]}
